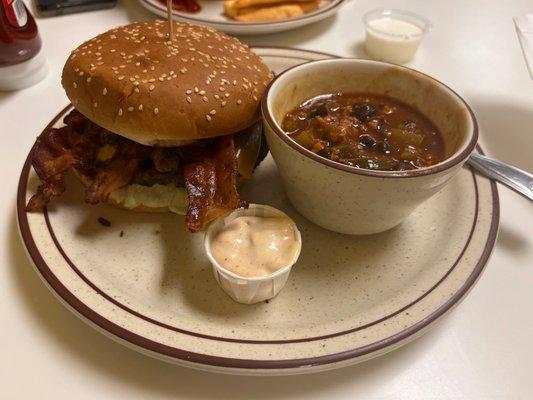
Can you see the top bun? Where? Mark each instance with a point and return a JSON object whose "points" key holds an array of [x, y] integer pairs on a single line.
{"points": [[136, 83]]}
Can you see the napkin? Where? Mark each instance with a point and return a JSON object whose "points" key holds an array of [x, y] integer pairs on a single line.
{"points": [[524, 29]]}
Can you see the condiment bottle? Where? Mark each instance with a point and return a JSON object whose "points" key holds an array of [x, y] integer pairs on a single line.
{"points": [[22, 62]]}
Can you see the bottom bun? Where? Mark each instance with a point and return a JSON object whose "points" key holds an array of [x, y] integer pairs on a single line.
{"points": [[139, 198], [156, 198]]}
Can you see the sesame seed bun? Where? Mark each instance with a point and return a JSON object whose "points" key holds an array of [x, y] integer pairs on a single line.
{"points": [[134, 82]]}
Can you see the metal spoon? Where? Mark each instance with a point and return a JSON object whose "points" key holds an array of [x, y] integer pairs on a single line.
{"points": [[518, 180]]}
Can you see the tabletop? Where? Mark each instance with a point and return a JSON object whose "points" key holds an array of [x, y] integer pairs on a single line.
{"points": [[482, 350]]}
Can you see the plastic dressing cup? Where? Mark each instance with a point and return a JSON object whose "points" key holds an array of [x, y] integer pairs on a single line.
{"points": [[394, 35], [249, 290]]}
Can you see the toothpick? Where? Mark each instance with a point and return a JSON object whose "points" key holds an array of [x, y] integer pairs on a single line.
{"points": [[169, 17]]}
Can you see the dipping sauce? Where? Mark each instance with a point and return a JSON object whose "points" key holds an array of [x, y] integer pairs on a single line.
{"points": [[394, 35], [365, 131], [252, 246]]}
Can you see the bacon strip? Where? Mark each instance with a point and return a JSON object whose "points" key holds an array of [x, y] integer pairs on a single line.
{"points": [[117, 172], [211, 182], [55, 152]]}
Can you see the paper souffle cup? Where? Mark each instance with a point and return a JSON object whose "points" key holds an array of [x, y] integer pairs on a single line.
{"points": [[249, 290]]}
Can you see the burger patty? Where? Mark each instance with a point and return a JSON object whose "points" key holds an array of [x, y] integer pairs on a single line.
{"points": [[207, 169]]}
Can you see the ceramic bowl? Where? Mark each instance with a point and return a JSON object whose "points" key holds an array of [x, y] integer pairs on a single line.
{"points": [[352, 200]]}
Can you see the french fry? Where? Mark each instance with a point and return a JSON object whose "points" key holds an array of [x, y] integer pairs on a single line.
{"points": [[239, 4], [271, 12]]}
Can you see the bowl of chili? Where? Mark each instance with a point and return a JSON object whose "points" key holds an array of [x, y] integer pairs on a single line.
{"points": [[360, 144]]}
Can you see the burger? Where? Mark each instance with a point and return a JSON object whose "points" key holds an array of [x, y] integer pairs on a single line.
{"points": [[160, 123]]}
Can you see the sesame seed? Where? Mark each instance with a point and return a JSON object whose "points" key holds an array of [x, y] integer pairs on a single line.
{"points": [[156, 111], [140, 107], [202, 92], [217, 97], [196, 90], [221, 89], [208, 117], [121, 77], [95, 104], [104, 92], [130, 108], [212, 112], [81, 73], [226, 94], [120, 111], [152, 68], [223, 103], [188, 91], [255, 97], [132, 79], [89, 79], [136, 83], [112, 50], [205, 99], [161, 79], [239, 101], [75, 85], [152, 87], [114, 68], [137, 64], [136, 90], [189, 100]]}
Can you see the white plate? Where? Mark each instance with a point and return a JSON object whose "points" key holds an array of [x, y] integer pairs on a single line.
{"points": [[348, 298], [212, 14]]}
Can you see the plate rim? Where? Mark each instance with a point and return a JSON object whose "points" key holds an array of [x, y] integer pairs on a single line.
{"points": [[227, 362], [232, 24]]}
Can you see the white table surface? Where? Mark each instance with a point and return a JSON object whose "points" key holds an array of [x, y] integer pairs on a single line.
{"points": [[483, 350]]}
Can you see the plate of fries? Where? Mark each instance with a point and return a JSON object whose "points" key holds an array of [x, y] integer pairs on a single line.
{"points": [[252, 17]]}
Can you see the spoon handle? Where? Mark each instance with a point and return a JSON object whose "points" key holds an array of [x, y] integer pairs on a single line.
{"points": [[514, 178]]}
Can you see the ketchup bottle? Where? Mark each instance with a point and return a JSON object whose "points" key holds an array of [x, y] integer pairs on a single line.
{"points": [[22, 62]]}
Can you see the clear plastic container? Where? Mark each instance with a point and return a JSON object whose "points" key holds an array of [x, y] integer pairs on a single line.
{"points": [[249, 290], [394, 35]]}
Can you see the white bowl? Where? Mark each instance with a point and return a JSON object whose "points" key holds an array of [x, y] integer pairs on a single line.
{"points": [[249, 290], [352, 200]]}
